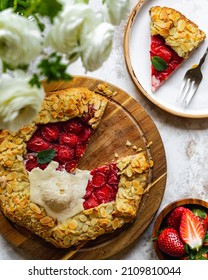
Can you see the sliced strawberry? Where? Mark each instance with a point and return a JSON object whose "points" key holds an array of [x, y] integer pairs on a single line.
{"points": [[156, 41], [85, 134], [169, 242], [113, 179], [203, 220], [80, 149], [50, 132], [191, 230], [68, 139], [71, 166], [60, 167], [91, 202], [37, 144], [31, 163], [57, 148], [64, 154], [164, 53], [174, 218], [105, 194], [99, 179], [43, 165], [105, 169], [89, 190], [73, 126]]}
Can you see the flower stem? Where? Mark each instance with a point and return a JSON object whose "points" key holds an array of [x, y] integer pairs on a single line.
{"points": [[4, 67], [4, 4]]}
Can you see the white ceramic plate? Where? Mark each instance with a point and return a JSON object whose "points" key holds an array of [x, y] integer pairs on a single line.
{"points": [[136, 49]]}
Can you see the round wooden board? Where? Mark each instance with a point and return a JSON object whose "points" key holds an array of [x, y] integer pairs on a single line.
{"points": [[124, 120]]}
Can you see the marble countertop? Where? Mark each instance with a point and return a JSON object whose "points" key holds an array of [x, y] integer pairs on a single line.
{"points": [[185, 142]]}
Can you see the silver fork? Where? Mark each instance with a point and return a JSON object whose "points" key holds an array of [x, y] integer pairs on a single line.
{"points": [[191, 82]]}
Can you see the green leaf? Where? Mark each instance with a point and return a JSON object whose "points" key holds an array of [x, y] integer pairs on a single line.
{"points": [[199, 213], [46, 156], [158, 63], [186, 248], [206, 237], [4, 4], [53, 69], [82, 1], [35, 81], [49, 8]]}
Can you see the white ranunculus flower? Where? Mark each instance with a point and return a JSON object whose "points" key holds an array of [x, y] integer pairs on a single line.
{"points": [[98, 45], [64, 35], [116, 10], [20, 39], [19, 102]]}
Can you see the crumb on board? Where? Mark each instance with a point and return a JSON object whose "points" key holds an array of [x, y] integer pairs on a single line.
{"points": [[105, 90], [116, 155], [128, 143], [149, 144]]}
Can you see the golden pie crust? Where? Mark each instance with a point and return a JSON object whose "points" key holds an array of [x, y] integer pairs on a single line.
{"points": [[181, 34], [15, 186]]}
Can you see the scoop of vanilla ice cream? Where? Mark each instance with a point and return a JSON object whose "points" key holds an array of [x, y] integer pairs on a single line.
{"points": [[59, 192]]}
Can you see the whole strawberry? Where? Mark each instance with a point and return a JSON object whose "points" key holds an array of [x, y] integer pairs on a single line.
{"points": [[169, 242], [174, 218]]}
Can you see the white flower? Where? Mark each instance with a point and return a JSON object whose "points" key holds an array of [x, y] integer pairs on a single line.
{"points": [[20, 39], [64, 35], [19, 102], [98, 45], [116, 10]]}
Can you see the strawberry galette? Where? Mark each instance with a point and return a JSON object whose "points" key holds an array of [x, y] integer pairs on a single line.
{"points": [[41, 187], [173, 39]]}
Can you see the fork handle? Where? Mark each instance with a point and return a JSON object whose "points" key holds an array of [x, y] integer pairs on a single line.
{"points": [[203, 58]]}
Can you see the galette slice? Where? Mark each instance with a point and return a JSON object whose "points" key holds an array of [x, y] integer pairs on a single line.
{"points": [[173, 38]]}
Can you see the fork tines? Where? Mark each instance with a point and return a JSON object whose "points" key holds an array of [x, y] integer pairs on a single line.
{"points": [[187, 91]]}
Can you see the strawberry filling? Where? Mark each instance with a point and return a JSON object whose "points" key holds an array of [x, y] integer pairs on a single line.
{"points": [[103, 186], [160, 49], [69, 140]]}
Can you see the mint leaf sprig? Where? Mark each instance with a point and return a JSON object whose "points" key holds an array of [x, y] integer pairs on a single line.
{"points": [[46, 156], [158, 63]]}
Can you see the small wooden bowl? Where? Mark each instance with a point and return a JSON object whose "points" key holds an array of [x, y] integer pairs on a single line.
{"points": [[161, 220]]}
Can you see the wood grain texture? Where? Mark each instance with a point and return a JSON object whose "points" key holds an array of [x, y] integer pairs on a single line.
{"points": [[124, 120]]}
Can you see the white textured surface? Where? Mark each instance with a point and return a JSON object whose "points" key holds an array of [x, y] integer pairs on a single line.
{"points": [[185, 142]]}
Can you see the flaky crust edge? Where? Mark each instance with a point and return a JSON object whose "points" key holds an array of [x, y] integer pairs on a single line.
{"points": [[180, 33]]}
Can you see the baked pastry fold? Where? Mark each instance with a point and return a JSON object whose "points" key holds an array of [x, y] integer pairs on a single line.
{"points": [[180, 33]]}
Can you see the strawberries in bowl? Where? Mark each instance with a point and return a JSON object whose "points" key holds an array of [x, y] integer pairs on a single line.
{"points": [[181, 231]]}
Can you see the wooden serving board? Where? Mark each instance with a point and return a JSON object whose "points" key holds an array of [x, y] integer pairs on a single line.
{"points": [[124, 120]]}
